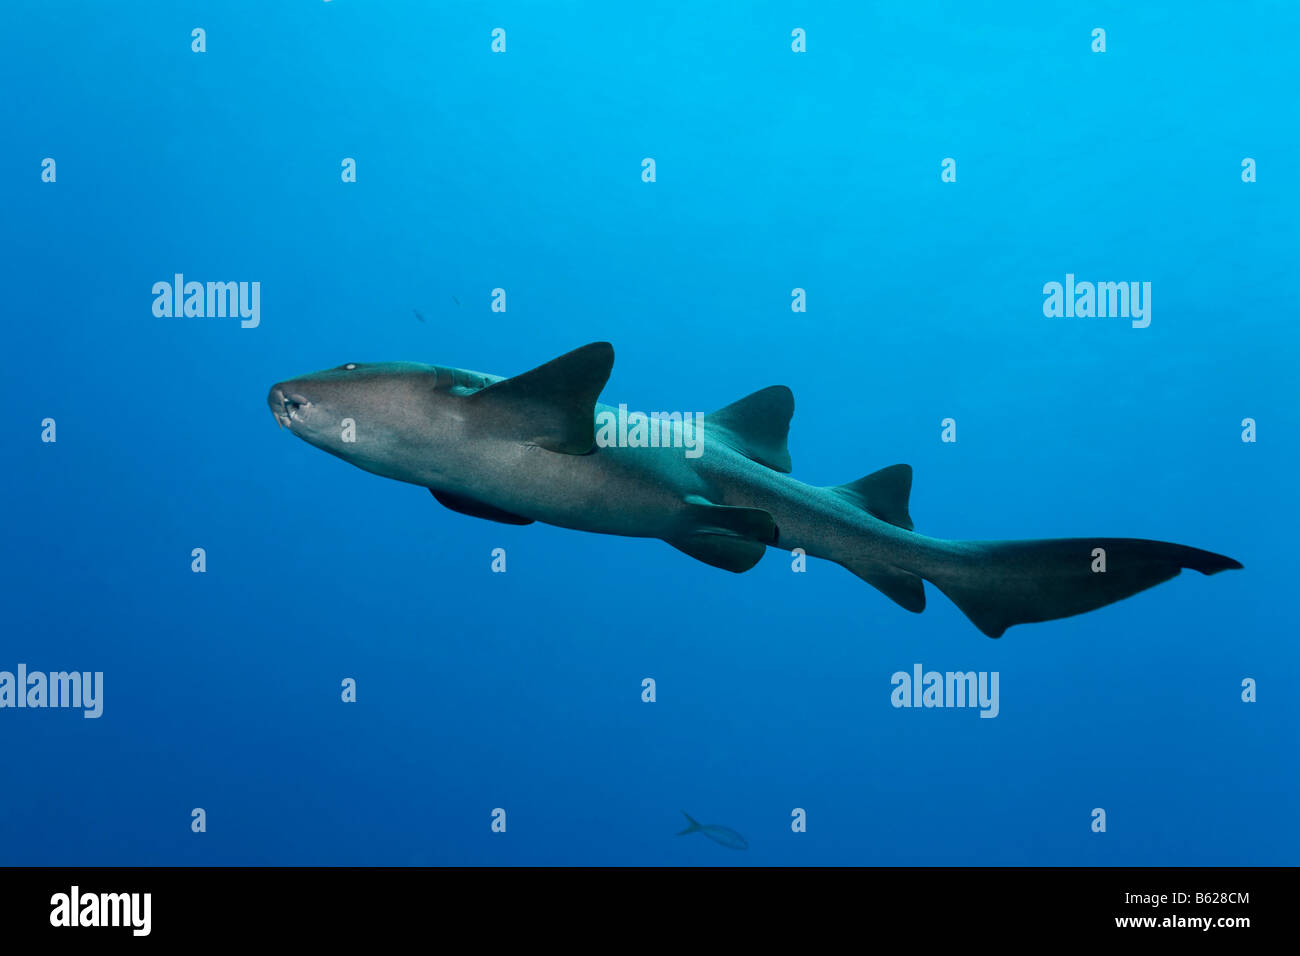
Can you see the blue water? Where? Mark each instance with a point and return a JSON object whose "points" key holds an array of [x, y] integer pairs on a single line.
{"points": [[522, 171]]}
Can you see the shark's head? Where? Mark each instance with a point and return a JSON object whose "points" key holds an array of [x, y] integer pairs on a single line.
{"points": [[388, 418], [434, 426]]}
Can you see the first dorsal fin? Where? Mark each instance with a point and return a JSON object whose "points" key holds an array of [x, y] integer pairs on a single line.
{"points": [[882, 493], [757, 426], [554, 405]]}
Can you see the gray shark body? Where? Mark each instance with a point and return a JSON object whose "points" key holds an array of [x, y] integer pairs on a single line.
{"points": [[525, 449]]}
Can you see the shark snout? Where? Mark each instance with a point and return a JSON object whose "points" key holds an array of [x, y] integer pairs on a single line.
{"points": [[286, 405]]}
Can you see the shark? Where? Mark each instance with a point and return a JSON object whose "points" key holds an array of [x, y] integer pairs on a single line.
{"points": [[524, 449]]}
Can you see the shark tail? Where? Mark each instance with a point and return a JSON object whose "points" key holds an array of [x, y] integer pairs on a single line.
{"points": [[690, 829], [998, 584]]}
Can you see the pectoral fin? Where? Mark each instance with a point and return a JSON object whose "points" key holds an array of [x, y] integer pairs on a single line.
{"points": [[476, 509]]}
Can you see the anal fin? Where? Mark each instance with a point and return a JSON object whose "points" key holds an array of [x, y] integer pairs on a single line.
{"points": [[905, 589]]}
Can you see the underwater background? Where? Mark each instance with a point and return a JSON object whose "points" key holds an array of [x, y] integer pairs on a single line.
{"points": [[522, 170]]}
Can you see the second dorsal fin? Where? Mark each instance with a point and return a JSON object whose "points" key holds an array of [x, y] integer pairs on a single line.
{"points": [[882, 493]]}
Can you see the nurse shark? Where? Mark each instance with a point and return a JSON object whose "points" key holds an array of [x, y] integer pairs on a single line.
{"points": [[524, 449]]}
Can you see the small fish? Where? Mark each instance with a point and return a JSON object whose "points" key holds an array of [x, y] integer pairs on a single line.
{"points": [[724, 835], [418, 315], [456, 300]]}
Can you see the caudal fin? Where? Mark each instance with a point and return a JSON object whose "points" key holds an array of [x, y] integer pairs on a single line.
{"points": [[690, 829], [998, 584]]}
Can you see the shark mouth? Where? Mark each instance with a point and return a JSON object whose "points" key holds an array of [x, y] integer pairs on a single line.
{"points": [[287, 407]]}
